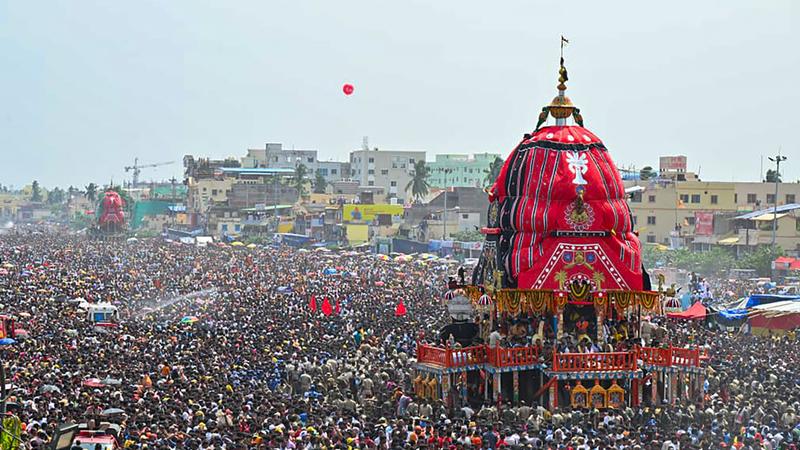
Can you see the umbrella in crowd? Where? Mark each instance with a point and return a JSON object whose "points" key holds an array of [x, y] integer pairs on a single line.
{"points": [[188, 320]]}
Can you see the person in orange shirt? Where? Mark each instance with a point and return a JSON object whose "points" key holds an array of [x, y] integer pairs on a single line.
{"points": [[476, 440]]}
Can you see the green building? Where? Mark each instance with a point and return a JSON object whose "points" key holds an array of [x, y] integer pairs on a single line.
{"points": [[460, 170]]}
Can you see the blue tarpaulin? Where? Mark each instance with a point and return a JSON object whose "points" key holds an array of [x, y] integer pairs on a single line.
{"points": [[733, 314], [763, 299]]}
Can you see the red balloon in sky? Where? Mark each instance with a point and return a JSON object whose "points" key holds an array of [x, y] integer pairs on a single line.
{"points": [[348, 89]]}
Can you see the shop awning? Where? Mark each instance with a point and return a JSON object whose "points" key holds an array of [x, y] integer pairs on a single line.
{"points": [[728, 241], [767, 217]]}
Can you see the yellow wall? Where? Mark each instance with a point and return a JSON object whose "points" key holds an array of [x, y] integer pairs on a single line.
{"points": [[357, 234], [368, 212]]}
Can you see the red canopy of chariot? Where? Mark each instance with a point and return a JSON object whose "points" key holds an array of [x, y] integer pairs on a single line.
{"points": [[562, 216]]}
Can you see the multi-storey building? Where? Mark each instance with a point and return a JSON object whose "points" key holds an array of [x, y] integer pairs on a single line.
{"points": [[676, 208], [460, 170], [273, 155], [390, 169]]}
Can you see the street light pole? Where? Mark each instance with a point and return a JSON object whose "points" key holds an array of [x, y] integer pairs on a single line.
{"points": [[777, 160]]}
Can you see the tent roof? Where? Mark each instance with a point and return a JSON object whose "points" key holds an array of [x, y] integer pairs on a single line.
{"points": [[696, 311], [786, 306], [780, 209]]}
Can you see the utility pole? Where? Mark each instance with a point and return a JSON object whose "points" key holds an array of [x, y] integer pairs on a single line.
{"points": [[444, 213], [777, 160]]}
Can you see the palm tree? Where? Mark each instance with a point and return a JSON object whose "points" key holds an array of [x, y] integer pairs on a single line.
{"points": [[494, 170], [299, 180], [419, 182], [91, 192]]}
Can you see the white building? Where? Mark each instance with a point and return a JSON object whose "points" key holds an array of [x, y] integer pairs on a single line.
{"points": [[274, 156], [390, 169]]}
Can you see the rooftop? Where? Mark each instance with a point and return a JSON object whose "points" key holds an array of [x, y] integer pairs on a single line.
{"points": [[256, 170]]}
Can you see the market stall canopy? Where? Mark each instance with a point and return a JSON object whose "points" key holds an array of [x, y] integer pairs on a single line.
{"points": [[696, 311]]}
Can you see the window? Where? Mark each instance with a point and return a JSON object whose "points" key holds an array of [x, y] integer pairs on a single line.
{"points": [[371, 183], [411, 161], [224, 227], [695, 198], [771, 198], [751, 198], [651, 239], [651, 220], [204, 189], [372, 160], [690, 220], [735, 198], [651, 198], [633, 220], [393, 183], [685, 198], [384, 171], [714, 199], [237, 228], [636, 197], [371, 172], [213, 192], [465, 216], [333, 171], [311, 159], [790, 198]]}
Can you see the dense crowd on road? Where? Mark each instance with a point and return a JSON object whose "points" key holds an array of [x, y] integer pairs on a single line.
{"points": [[260, 368]]}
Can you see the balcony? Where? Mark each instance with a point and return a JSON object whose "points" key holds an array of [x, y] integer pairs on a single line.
{"points": [[522, 357], [455, 358], [594, 362]]}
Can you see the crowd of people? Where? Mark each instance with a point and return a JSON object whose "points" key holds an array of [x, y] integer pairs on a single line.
{"points": [[259, 367]]}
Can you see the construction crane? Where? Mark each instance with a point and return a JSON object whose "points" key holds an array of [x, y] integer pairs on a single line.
{"points": [[137, 169]]}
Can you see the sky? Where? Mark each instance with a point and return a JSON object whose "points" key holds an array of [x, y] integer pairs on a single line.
{"points": [[87, 86]]}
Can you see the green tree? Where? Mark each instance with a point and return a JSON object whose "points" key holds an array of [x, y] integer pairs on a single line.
{"points": [[760, 260], [56, 196], [319, 183], [36, 192], [647, 173], [773, 176], [494, 170], [418, 185], [299, 180], [91, 192], [467, 236]]}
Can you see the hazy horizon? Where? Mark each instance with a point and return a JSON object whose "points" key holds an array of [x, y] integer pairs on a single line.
{"points": [[88, 86]]}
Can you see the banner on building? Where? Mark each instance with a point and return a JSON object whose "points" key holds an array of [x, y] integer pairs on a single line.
{"points": [[703, 223], [367, 213]]}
